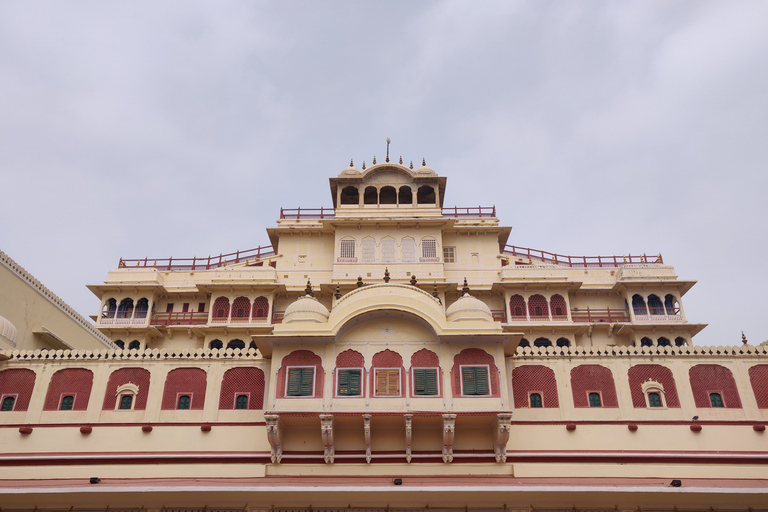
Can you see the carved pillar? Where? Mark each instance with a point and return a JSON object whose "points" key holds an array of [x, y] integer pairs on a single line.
{"points": [[326, 434], [408, 435], [449, 427], [367, 430], [501, 436], [275, 436]]}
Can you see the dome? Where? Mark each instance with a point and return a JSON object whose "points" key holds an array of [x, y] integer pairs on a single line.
{"points": [[424, 171], [306, 309], [350, 171], [468, 308], [7, 332]]}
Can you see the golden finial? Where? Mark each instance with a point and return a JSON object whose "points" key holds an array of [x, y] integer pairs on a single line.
{"points": [[411, 164], [360, 283], [642, 258], [423, 162], [338, 291], [351, 163], [413, 279], [386, 275], [401, 160], [363, 164], [434, 291], [465, 289], [743, 338], [374, 160], [388, 141], [308, 289]]}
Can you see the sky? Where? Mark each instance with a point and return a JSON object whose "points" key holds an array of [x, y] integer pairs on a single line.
{"points": [[180, 128]]}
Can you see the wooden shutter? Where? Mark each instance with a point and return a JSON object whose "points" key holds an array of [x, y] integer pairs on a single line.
{"points": [[482, 381], [349, 382], [300, 381], [425, 382], [307, 379], [475, 381], [388, 382], [431, 382]]}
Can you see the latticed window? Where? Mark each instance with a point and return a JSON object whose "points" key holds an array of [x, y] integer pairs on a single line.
{"points": [[449, 255], [654, 399], [184, 401], [425, 382], [558, 305], [387, 383], [475, 381], [594, 400], [655, 305], [241, 402], [241, 307], [716, 400], [300, 381], [260, 307], [388, 250], [221, 308], [429, 248], [349, 382], [408, 250], [368, 250], [517, 306], [67, 403], [347, 249], [8, 403], [538, 306], [535, 400], [126, 401]]}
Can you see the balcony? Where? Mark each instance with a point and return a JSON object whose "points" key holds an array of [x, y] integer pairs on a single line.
{"points": [[595, 316], [330, 213], [251, 256], [186, 318], [124, 318], [538, 256]]}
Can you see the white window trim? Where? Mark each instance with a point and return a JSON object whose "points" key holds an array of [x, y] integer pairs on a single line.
{"points": [[191, 400], [234, 400], [453, 256], [336, 382], [461, 379], [351, 259], [439, 382], [399, 382], [600, 393], [652, 386], [722, 397], [119, 399], [74, 400], [538, 392], [15, 400], [314, 382]]}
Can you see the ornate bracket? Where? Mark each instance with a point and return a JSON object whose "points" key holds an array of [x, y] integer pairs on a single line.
{"points": [[408, 435], [275, 436], [326, 434], [367, 431], [501, 436], [449, 427]]}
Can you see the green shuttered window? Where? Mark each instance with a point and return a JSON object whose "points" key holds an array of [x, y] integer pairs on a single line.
{"points": [[300, 381], [475, 381], [425, 382], [349, 382]]}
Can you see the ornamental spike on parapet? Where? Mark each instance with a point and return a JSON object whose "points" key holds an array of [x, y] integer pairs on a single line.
{"points": [[374, 160], [413, 279], [743, 338], [338, 292], [401, 160], [360, 283], [465, 289], [308, 289], [351, 162], [411, 164], [363, 164], [386, 275], [423, 162]]}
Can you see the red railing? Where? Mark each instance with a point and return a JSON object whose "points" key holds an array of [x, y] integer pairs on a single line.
{"points": [[599, 315], [577, 261], [499, 315], [188, 318], [330, 213], [201, 263], [471, 211], [277, 317]]}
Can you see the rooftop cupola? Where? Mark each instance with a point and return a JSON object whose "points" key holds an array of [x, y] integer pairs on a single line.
{"points": [[306, 309], [468, 308]]}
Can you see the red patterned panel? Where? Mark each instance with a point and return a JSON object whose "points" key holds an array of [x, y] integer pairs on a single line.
{"points": [[557, 304], [241, 308], [533, 378], [221, 308], [19, 382], [71, 381], [137, 376], [593, 378], [713, 378], [474, 356], [538, 301], [301, 358], [758, 376], [387, 359], [517, 306], [350, 359], [260, 307], [242, 381], [642, 373], [185, 381], [425, 359]]}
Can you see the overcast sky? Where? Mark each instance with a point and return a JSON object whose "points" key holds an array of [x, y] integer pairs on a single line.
{"points": [[179, 129]]}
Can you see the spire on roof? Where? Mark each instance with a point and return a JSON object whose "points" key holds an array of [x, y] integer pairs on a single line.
{"points": [[465, 289], [308, 289]]}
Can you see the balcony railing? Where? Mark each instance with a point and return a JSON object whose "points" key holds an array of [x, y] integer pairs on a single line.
{"points": [[499, 315], [658, 318], [594, 316], [536, 255], [195, 263], [187, 318], [470, 211], [307, 213], [277, 317], [330, 213]]}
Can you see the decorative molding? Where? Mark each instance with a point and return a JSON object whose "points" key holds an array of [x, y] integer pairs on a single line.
{"points": [[275, 436], [153, 354], [408, 435], [367, 431], [449, 429], [501, 437], [629, 351], [326, 434]]}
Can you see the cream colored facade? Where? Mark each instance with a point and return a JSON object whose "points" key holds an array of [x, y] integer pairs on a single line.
{"points": [[389, 353]]}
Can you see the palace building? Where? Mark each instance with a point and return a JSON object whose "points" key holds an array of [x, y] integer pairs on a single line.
{"points": [[387, 353]]}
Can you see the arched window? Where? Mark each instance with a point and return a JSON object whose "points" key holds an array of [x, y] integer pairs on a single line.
{"points": [[125, 310], [542, 342], [368, 250], [388, 195], [517, 307], [535, 400], [716, 400], [405, 195], [236, 344], [557, 303], [680, 341], [75, 383], [530, 379], [670, 304], [371, 195], [350, 195], [474, 373], [645, 379], [120, 344], [388, 250], [563, 342], [141, 308], [188, 382], [8, 403], [655, 305], [241, 402], [638, 305], [216, 344], [425, 195], [300, 374], [592, 379], [663, 342], [524, 343], [709, 379], [221, 309], [594, 400], [252, 345], [134, 345], [242, 388], [260, 307], [110, 307], [758, 377], [132, 382], [241, 307], [408, 250], [16, 384], [646, 342], [538, 307]]}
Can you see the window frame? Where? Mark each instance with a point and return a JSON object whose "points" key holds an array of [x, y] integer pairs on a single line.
{"points": [[360, 369], [288, 378], [178, 398], [61, 401], [347, 243], [426, 242], [438, 379], [541, 399], [487, 375], [449, 254], [118, 402], [411, 242], [600, 397], [719, 393], [654, 387], [399, 382], [237, 395], [5, 396]]}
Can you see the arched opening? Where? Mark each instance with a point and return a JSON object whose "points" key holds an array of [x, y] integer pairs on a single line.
{"points": [[388, 195], [664, 342], [125, 310], [134, 345], [524, 343], [236, 344], [538, 306], [368, 250], [535, 400], [371, 195], [671, 305], [405, 196], [260, 307], [638, 305], [141, 308], [655, 305], [216, 344], [425, 195], [110, 307], [679, 341], [350, 195], [646, 342], [221, 309], [517, 307], [241, 307], [563, 342], [252, 345], [542, 342], [557, 303], [120, 344]]}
